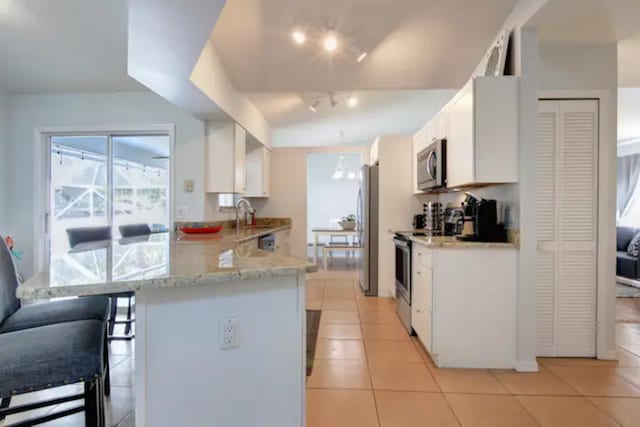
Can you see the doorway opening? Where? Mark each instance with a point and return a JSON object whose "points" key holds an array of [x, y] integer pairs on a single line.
{"points": [[628, 216], [333, 183]]}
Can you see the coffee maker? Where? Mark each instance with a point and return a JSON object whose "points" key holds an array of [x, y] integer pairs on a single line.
{"points": [[481, 220]]}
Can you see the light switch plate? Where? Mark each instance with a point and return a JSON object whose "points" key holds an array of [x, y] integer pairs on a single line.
{"points": [[188, 185]]}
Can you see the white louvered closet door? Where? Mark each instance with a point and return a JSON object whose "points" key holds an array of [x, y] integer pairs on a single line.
{"points": [[566, 205]]}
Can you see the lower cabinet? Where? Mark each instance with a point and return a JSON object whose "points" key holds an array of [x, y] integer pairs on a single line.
{"points": [[282, 242], [421, 297], [463, 305]]}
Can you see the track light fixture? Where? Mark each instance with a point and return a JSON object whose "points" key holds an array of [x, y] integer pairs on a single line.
{"points": [[314, 105], [329, 40], [299, 37], [334, 99]]}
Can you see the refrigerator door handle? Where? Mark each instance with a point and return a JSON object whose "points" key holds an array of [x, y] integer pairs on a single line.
{"points": [[359, 217]]}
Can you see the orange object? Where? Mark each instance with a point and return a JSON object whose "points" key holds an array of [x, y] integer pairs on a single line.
{"points": [[201, 230]]}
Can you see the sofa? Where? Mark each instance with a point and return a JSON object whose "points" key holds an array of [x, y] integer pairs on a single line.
{"points": [[627, 266]]}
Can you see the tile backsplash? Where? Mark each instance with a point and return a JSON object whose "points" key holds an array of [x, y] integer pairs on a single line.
{"points": [[507, 194]]}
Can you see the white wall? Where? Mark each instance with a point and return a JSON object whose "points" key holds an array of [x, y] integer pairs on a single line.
{"points": [[289, 190], [4, 164], [578, 66], [30, 112], [329, 199], [628, 114]]}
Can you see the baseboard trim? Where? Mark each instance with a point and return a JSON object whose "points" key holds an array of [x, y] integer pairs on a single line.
{"points": [[607, 355], [527, 366], [627, 281]]}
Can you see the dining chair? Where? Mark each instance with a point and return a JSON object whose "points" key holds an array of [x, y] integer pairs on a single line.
{"points": [[134, 230], [79, 235]]}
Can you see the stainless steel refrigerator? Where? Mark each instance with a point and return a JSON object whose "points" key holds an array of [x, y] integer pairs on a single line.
{"points": [[367, 223]]}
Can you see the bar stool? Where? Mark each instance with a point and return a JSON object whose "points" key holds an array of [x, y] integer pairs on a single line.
{"points": [[80, 235], [18, 317]]}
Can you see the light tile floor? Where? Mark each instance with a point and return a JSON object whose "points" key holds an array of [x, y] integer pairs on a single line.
{"points": [[369, 373]]}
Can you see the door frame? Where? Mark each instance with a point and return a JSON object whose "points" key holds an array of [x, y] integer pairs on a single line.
{"points": [[42, 162], [606, 240]]}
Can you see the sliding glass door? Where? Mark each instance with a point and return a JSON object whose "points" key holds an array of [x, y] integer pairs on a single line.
{"points": [[104, 180]]}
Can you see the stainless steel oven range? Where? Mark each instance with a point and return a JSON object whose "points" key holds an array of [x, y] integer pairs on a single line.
{"points": [[403, 279]]}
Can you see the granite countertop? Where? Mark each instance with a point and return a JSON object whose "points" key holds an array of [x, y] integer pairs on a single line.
{"points": [[450, 242], [163, 260]]}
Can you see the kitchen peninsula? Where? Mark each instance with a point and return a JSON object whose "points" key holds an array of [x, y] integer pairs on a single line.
{"points": [[189, 291]]}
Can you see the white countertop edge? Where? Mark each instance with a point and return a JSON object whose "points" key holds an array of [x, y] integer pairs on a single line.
{"points": [[31, 293]]}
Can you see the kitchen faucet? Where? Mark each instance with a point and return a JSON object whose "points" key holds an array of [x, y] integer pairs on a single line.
{"points": [[249, 210]]}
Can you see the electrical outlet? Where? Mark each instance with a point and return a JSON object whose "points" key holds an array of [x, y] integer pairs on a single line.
{"points": [[228, 334], [182, 212]]}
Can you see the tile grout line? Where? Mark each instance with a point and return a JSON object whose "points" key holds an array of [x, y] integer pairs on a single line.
{"points": [[366, 355]]}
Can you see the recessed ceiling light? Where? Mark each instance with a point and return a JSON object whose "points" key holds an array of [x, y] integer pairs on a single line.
{"points": [[352, 101], [299, 37], [330, 41]]}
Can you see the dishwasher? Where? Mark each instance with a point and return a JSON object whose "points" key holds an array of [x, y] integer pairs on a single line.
{"points": [[267, 243]]}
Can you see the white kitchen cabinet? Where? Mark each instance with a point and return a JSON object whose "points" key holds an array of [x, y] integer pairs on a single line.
{"points": [[421, 298], [373, 152], [225, 158], [282, 242], [420, 142], [482, 142], [258, 176], [463, 305], [440, 124]]}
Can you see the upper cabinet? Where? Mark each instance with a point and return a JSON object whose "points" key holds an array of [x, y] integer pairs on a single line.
{"points": [[480, 125], [373, 155], [258, 167], [225, 158], [482, 140]]}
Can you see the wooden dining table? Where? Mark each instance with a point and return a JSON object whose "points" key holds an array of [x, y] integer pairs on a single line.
{"points": [[329, 231]]}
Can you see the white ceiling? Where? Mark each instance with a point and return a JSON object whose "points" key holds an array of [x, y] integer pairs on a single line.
{"points": [[588, 21], [378, 112], [413, 44], [64, 46]]}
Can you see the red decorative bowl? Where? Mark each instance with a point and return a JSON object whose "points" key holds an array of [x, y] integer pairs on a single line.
{"points": [[201, 230]]}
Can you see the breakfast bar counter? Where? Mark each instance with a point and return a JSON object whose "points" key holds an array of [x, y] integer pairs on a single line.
{"points": [[220, 324]]}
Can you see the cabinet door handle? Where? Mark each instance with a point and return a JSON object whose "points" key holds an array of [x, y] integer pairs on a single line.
{"points": [[418, 311], [419, 253], [417, 272]]}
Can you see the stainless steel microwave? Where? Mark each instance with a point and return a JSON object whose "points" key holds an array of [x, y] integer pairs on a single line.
{"points": [[432, 166]]}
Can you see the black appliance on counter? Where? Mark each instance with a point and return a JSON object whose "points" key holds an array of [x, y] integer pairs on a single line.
{"points": [[419, 221], [453, 220], [481, 220]]}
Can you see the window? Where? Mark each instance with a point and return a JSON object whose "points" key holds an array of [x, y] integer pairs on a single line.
{"points": [[106, 180], [631, 216], [227, 201]]}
